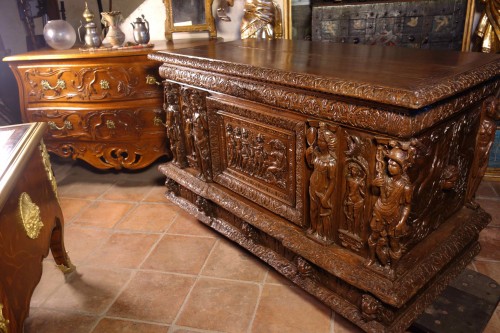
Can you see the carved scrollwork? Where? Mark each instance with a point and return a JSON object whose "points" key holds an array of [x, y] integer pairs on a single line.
{"points": [[87, 83], [392, 208], [321, 156], [29, 214]]}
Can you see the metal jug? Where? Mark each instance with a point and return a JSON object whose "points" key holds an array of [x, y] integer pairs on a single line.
{"points": [[141, 30], [92, 38]]}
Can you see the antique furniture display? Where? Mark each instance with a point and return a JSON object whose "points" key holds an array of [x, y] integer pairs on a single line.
{"points": [[31, 220], [189, 16], [103, 107], [347, 170], [420, 24]]}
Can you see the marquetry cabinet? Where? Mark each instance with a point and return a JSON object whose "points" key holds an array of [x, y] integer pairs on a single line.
{"points": [[31, 221], [104, 107], [350, 169]]}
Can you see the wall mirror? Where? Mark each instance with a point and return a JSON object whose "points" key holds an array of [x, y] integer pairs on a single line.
{"points": [[189, 16]]}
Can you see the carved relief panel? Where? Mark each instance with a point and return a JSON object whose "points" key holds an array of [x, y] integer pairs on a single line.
{"points": [[89, 83], [259, 154]]}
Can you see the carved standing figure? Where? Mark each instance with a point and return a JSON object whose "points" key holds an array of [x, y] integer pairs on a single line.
{"points": [[391, 210], [173, 125], [261, 19], [484, 141], [321, 156], [355, 197]]}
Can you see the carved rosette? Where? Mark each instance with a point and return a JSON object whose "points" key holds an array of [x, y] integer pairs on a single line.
{"points": [[321, 156], [29, 214], [392, 208], [48, 168]]}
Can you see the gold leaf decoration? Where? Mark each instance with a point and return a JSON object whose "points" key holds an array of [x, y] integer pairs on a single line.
{"points": [[30, 216]]}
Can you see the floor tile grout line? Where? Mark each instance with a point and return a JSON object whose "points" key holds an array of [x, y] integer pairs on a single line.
{"points": [[198, 277], [118, 294], [257, 303], [134, 320]]}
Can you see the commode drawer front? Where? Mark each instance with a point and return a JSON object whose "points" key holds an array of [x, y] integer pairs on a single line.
{"points": [[100, 82], [259, 153], [100, 125]]}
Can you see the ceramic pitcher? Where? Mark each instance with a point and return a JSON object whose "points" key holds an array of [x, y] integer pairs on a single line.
{"points": [[112, 20]]}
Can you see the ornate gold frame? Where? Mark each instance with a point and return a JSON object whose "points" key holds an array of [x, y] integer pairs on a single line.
{"points": [[209, 24]]}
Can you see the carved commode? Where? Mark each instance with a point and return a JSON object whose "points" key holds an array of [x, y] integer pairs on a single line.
{"points": [[352, 184]]}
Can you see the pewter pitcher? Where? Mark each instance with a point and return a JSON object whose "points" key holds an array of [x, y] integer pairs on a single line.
{"points": [[141, 30]]}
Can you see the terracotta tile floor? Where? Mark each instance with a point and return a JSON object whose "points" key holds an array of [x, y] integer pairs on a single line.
{"points": [[145, 266]]}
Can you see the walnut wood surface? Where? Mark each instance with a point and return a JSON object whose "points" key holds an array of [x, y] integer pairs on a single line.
{"points": [[21, 255], [350, 169], [104, 107]]}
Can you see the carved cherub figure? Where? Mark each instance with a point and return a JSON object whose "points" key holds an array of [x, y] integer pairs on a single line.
{"points": [[355, 180]]}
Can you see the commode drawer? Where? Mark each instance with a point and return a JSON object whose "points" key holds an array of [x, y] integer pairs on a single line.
{"points": [[124, 124], [259, 153], [69, 83]]}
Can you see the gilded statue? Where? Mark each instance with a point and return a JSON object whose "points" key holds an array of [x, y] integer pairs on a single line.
{"points": [[321, 155], [391, 209], [488, 28], [261, 19]]}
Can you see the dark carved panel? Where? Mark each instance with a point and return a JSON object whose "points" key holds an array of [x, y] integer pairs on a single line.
{"points": [[418, 24], [257, 154]]}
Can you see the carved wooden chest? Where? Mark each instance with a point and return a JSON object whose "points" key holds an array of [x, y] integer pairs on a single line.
{"points": [[340, 166], [436, 24]]}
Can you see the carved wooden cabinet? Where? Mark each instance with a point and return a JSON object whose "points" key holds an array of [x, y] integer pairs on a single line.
{"points": [[103, 107], [31, 221], [350, 169]]}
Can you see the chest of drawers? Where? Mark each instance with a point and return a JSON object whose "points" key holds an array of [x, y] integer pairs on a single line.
{"points": [[31, 221], [103, 107], [343, 167]]}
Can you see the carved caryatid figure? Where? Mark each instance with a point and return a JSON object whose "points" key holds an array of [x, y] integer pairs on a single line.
{"points": [[321, 155], [355, 197], [391, 210], [173, 124], [484, 141], [200, 136], [261, 19]]}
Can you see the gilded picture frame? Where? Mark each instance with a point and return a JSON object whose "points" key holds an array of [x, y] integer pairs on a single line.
{"points": [[189, 16]]}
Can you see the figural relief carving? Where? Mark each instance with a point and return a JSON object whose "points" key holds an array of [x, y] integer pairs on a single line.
{"points": [[321, 156], [252, 153], [173, 124], [355, 176], [392, 208], [484, 141]]}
